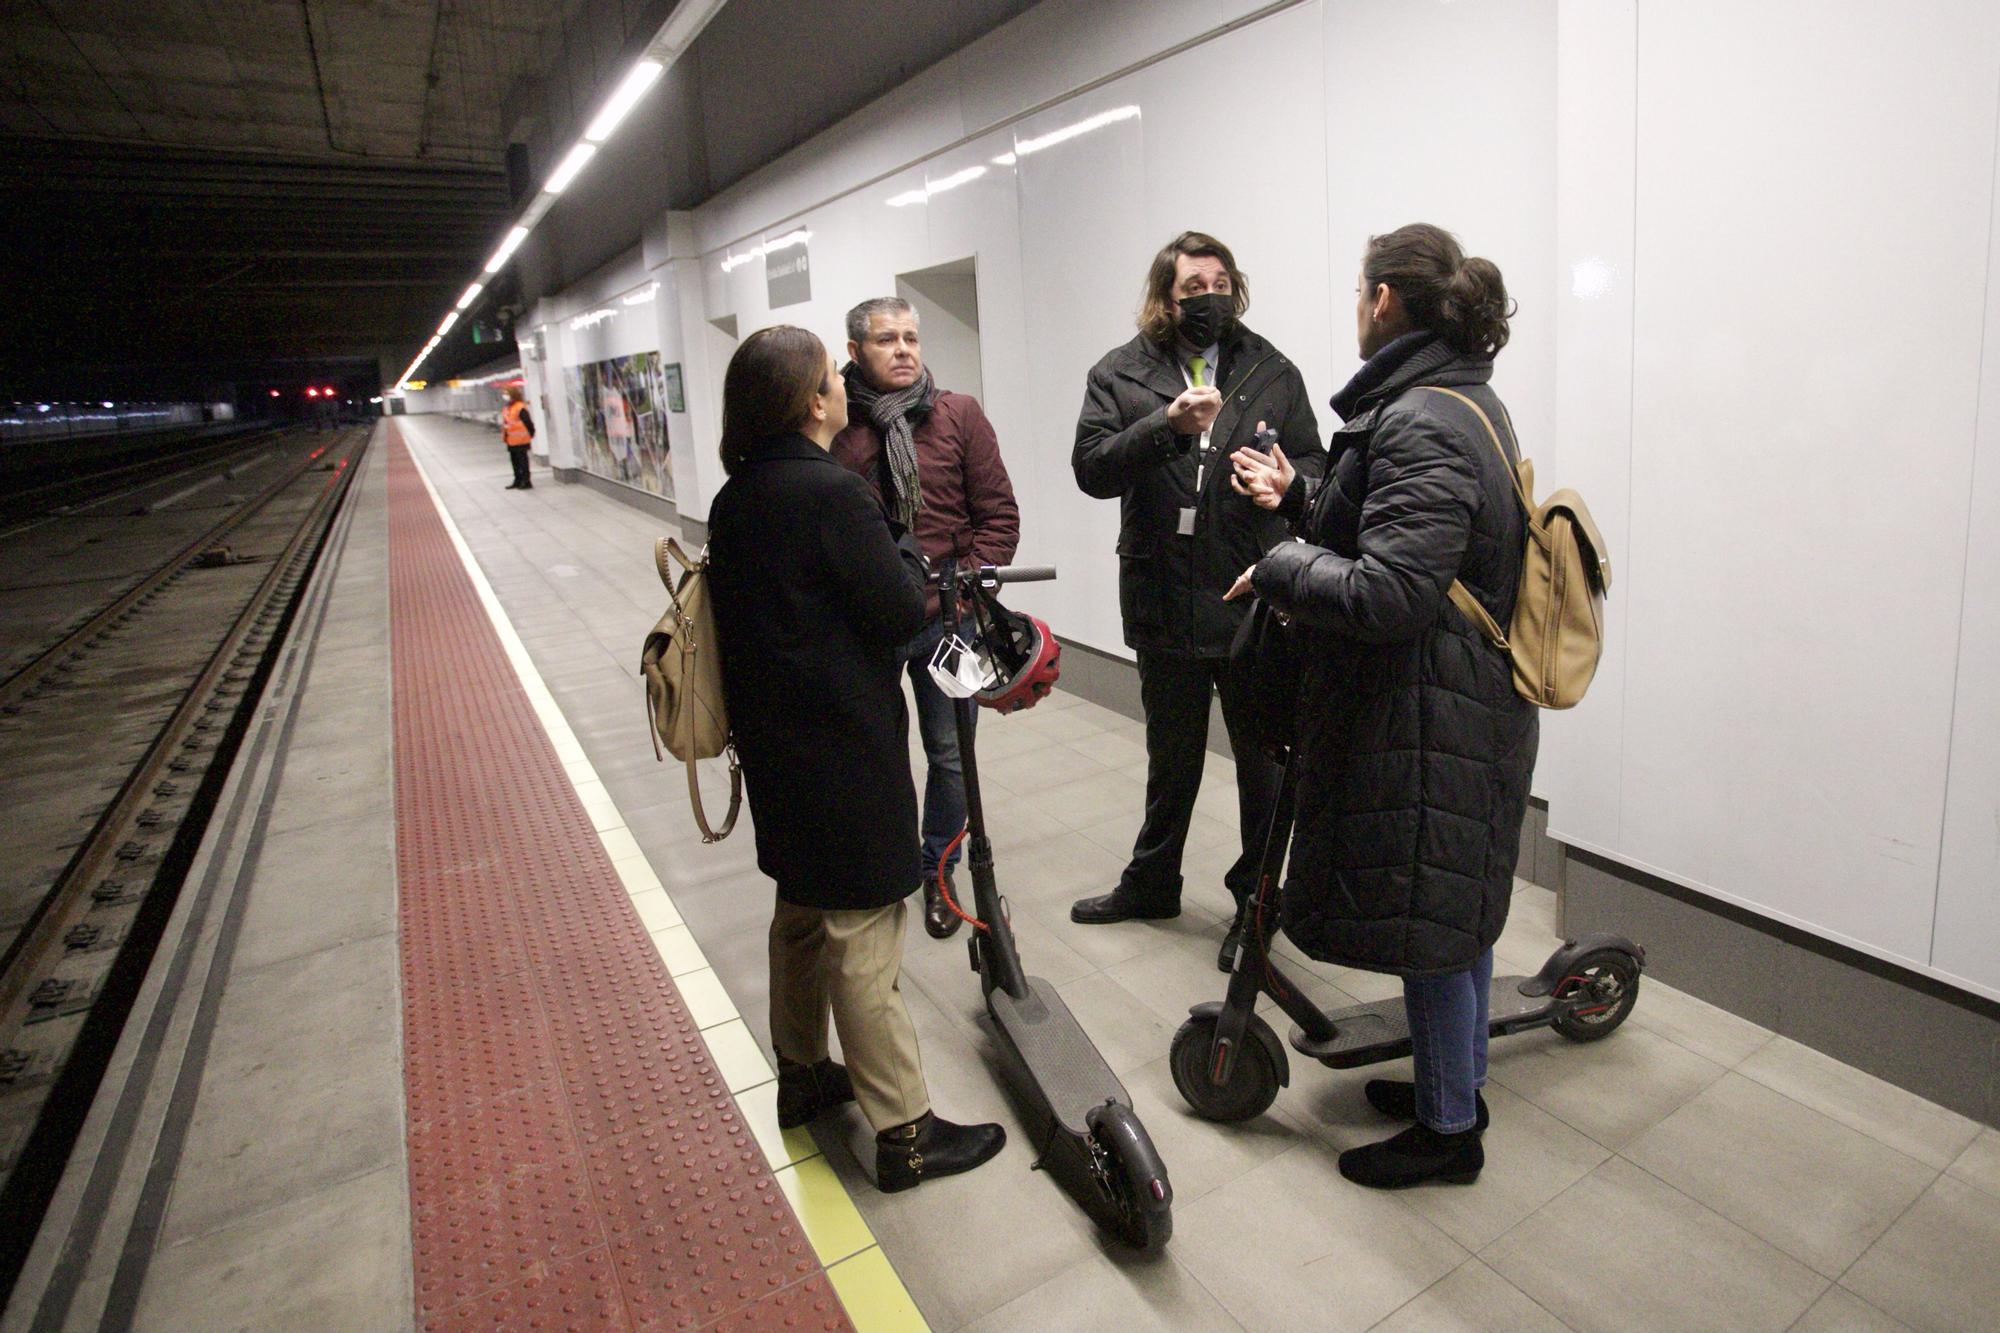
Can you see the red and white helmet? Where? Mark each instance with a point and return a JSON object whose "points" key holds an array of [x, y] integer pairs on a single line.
{"points": [[1025, 657]]}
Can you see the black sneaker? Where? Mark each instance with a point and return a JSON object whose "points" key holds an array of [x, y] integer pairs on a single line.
{"points": [[1398, 1101], [807, 1092], [1414, 1157], [928, 1147], [1122, 905]]}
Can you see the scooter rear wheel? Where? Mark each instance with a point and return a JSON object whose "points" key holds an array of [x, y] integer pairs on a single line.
{"points": [[1253, 1078], [1601, 990], [1141, 1217]]}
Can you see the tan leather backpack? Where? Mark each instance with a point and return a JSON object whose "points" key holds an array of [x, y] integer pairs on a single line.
{"points": [[1557, 633], [683, 673]]}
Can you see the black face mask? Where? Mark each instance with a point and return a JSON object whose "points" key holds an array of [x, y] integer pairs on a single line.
{"points": [[1207, 319]]}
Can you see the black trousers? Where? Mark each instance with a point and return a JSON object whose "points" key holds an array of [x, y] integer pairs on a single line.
{"points": [[517, 454], [1175, 691]]}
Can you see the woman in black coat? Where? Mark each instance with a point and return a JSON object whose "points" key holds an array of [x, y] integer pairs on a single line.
{"points": [[1413, 750], [814, 597]]}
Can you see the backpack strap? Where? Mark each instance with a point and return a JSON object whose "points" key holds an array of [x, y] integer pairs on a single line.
{"points": [[1506, 461], [1461, 596]]}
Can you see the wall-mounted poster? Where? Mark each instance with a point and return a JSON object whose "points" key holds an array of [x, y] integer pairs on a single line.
{"points": [[618, 411], [676, 397]]}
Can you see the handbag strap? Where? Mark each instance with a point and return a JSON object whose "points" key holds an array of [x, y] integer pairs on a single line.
{"points": [[735, 799]]}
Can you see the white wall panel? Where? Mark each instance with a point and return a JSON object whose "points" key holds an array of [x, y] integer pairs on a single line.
{"points": [[1966, 940], [1812, 241], [1444, 112], [1582, 756]]}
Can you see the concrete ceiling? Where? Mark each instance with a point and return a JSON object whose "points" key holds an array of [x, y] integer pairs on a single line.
{"points": [[193, 183]]}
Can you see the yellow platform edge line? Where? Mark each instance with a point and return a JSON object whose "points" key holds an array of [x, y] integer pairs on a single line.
{"points": [[862, 1275]]}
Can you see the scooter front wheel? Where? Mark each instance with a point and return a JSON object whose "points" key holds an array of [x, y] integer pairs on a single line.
{"points": [[1253, 1078], [1598, 993], [1129, 1172]]}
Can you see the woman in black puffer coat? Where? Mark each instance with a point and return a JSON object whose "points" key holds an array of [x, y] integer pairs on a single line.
{"points": [[1413, 751]]}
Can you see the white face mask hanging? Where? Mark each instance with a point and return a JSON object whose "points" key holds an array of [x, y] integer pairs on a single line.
{"points": [[959, 671]]}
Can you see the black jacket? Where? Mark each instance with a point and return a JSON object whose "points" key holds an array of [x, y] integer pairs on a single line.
{"points": [[1170, 587], [1414, 751], [814, 600]]}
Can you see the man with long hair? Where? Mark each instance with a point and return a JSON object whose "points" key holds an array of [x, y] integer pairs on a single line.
{"points": [[1161, 416]]}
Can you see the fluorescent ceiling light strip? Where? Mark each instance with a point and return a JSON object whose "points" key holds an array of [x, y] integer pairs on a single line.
{"points": [[573, 162], [507, 249], [643, 76], [471, 295], [449, 320]]}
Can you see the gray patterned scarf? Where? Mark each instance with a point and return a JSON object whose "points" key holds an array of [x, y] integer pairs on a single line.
{"points": [[895, 415]]}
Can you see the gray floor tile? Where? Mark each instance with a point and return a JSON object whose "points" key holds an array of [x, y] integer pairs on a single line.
{"points": [[1841, 1311], [1708, 1031], [1472, 1299], [1903, 1120], [1202, 1156], [1938, 1268], [1292, 1245], [1101, 1293], [1531, 1157], [241, 1159], [337, 1259], [318, 887], [302, 1017], [1623, 1252], [1127, 1032], [1819, 1191], [1613, 1090], [1979, 1164]]}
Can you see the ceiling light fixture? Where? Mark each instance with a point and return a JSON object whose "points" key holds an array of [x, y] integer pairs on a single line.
{"points": [[471, 295], [643, 76], [573, 162], [507, 249]]}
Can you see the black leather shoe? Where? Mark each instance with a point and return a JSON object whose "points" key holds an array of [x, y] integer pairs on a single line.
{"points": [[940, 922], [1398, 1101], [807, 1092], [925, 1149], [1120, 905], [1415, 1156], [513, 485]]}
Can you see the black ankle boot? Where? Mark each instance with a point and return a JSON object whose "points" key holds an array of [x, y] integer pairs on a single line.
{"points": [[1416, 1155], [927, 1148], [1398, 1101], [940, 922], [807, 1092]]}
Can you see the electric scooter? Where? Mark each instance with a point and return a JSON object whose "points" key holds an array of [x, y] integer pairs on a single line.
{"points": [[1229, 1065], [1079, 1113]]}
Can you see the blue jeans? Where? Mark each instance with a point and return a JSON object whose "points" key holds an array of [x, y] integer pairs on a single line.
{"points": [[1448, 1022], [937, 723]]}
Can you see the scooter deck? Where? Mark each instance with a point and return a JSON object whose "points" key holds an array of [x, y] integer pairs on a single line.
{"points": [[1066, 1066], [1367, 1034]]}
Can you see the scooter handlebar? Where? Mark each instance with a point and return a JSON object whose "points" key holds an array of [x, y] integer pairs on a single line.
{"points": [[1016, 573]]}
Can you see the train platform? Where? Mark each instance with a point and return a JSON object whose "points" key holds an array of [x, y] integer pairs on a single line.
{"points": [[461, 1026]]}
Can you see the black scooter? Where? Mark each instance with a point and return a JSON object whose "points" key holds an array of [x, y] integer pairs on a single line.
{"points": [[1229, 1065], [1080, 1114]]}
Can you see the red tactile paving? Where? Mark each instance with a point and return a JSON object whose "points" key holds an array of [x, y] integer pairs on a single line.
{"points": [[575, 1159]]}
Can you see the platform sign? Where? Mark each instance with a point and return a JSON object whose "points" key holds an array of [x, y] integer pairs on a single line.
{"points": [[676, 396], [788, 274]]}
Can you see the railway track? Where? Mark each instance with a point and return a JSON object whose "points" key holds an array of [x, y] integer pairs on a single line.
{"points": [[113, 743]]}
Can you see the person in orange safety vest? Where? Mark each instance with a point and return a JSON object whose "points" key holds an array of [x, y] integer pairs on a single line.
{"points": [[517, 428]]}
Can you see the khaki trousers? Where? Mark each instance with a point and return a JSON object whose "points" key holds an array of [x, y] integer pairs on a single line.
{"points": [[850, 963]]}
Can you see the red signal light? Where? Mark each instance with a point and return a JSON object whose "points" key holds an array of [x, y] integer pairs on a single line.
{"points": [[274, 393]]}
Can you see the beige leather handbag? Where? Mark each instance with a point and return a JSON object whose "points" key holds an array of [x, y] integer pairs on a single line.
{"points": [[683, 673], [1557, 635]]}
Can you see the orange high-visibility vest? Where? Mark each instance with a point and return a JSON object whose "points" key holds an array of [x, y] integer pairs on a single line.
{"points": [[512, 429]]}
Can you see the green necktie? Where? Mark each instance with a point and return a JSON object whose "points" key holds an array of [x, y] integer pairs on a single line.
{"points": [[1198, 370]]}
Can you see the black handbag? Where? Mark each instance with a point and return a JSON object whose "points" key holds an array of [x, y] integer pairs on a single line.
{"points": [[1264, 657]]}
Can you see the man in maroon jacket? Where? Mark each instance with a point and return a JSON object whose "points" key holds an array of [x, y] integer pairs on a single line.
{"points": [[933, 459]]}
